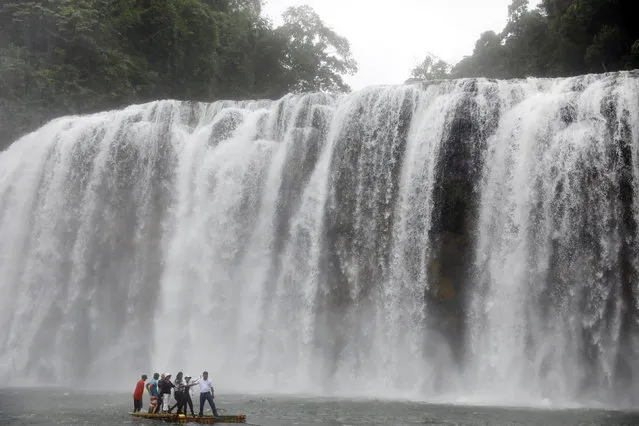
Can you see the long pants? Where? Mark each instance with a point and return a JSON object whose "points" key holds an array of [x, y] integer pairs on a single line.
{"points": [[178, 395], [137, 405], [185, 399], [165, 401], [206, 396]]}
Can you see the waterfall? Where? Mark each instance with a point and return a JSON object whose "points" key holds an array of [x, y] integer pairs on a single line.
{"points": [[466, 240], [556, 259]]}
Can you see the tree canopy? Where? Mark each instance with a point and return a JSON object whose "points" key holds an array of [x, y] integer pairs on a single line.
{"points": [[556, 39], [315, 56], [73, 56], [431, 68]]}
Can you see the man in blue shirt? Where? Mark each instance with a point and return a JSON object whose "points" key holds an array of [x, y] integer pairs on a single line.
{"points": [[152, 387]]}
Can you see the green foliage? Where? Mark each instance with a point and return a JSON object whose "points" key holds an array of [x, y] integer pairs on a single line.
{"points": [[315, 57], [558, 38], [431, 68], [72, 56], [488, 59]]}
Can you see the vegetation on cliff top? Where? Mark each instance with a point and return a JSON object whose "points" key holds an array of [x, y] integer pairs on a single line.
{"points": [[71, 56], [559, 38], [60, 57]]}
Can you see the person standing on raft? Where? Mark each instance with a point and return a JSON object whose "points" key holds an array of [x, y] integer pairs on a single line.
{"points": [[138, 393], [178, 392], [159, 388], [187, 394], [182, 394], [165, 392], [206, 393], [152, 387]]}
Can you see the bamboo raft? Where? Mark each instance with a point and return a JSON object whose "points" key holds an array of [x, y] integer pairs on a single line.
{"points": [[175, 418]]}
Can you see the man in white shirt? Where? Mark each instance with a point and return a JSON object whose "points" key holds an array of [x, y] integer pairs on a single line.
{"points": [[206, 393]]}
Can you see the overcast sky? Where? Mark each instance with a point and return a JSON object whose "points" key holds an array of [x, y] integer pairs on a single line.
{"points": [[388, 38]]}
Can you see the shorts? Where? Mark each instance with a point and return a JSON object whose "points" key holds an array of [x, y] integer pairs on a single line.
{"points": [[154, 401]]}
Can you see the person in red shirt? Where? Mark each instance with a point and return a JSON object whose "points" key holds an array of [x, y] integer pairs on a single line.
{"points": [[137, 394]]}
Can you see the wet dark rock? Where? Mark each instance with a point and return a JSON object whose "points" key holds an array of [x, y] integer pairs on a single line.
{"points": [[454, 213]]}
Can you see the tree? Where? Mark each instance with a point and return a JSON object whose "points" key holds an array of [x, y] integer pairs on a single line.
{"points": [[558, 38], [517, 12], [315, 57], [521, 57], [487, 59], [431, 68], [77, 56]]}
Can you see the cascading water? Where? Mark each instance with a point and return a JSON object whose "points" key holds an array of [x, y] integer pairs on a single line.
{"points": [[556, 254], [460, 239]]}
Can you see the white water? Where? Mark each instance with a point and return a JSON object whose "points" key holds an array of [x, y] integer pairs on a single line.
{"points": [[550, 196], [285, 246]]}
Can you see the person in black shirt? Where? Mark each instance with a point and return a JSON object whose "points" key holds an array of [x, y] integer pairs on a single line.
{"points": [[165, 392]]}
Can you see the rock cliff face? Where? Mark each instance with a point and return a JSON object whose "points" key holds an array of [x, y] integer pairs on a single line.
{"points": [[467, 237]]}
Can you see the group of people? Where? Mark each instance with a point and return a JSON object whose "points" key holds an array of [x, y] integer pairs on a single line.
{"points": [[160, 388]]}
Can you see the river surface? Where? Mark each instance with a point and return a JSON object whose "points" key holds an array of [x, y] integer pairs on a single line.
{"points": [[68, 407]]}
